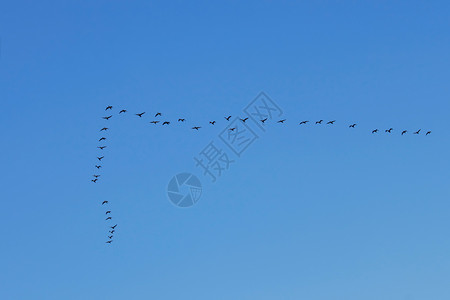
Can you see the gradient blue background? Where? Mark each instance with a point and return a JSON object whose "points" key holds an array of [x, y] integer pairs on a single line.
{"points": [[307, 212]]}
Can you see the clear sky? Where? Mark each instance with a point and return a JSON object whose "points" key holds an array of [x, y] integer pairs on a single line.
{"points": [[313, 212]]}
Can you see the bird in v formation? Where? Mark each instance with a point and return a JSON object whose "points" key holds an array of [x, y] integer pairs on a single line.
{"points": [[213, 122], [110, 107]]}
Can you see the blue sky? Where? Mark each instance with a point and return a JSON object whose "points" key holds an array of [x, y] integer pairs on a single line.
{"points": [[311, 212]]}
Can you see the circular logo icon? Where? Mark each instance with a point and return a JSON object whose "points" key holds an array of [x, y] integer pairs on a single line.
{"points": [[184, 190]]}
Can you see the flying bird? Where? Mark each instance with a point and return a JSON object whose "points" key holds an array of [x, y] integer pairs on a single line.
{"points": [[108, 212], [96, 176], [112, 231], [281, 121], [180, 120], [108, 218], [123, 111], [352, 126], [104, 129], [227, 118], [232, 129], [102, 139], [109, 242], [331, 122], [303, 122], [263, 120], [110, 236], [98, 167], [102, 147], [389, 130], [418, 131], [140, 115], [157, 114], [114, 226], [404, 131], [428, 132], [104, 202], [243, 120], [166, 123], [375, 131], [94, 180], [107, 118], [196, 127], [100, 158], [154, 122], [319, 122], [108, 107], [212, 122]]}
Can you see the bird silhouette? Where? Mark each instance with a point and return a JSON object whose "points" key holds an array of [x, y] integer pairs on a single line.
{"points": [[96, 176], [108, 212], [418, 131], [352, 126], [243, 120], [108, 107], [331, 122], [375, 131], [227, 118], [101, 147], [404, 131], [123, 111], [196, 127], [109, 242], [110, 236], [107, 118], [114, 226], [180, 120], [232, 129], [102, 139], [140, 115], [94, 180], [100, 158], [154, 122], [112, 231], [263, 120], [303, 122], [319, 122], [104, 202], [428, 132], [389, 130], [108, 218], [166, 123], [281, 121], [212, 122], [157, 114], [98, 167], [104, 129]]}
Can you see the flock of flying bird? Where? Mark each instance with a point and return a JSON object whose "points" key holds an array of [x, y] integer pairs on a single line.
{"points": [[213, 122], [96, 177]]}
